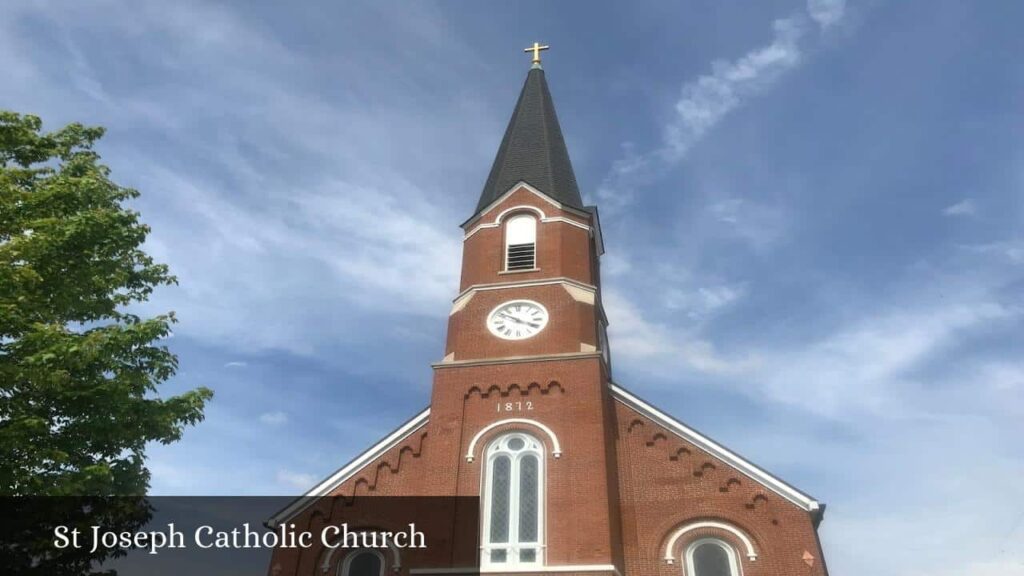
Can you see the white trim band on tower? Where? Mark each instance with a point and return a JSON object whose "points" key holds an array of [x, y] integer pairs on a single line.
{"points": [[717, 450], [556, 448], [541, 282]]}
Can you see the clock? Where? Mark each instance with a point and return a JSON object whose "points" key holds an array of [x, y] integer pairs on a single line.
{"points": [[517, 319]]}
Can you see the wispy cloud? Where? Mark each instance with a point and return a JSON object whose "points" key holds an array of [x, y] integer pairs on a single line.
{"points": [[965, 207], [295, 481], [705, 101], [274, 418], [708, 99], [1010, 250], [305, 195], [662, 349], [937, 513], [760, 225], [704, 301], [826, 12], [866, 366]]}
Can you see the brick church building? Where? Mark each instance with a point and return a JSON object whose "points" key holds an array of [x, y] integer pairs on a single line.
{"points": [[575, 474]]}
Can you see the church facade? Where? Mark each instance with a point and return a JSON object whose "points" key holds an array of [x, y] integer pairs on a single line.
{"points": [[575, 473]]}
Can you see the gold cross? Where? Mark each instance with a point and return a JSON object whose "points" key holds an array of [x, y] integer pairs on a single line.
{"points": [[536, 48]]}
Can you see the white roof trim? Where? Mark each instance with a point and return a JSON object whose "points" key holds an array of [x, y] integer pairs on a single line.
{"points": [[524, 184], [349, 470], [404, 431], [708, 445]]}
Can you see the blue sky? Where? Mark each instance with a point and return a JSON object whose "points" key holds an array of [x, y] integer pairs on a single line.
{"points": [[813, 212]]}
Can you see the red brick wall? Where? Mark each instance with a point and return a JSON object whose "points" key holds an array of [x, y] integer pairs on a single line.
{"points": [[666, 483], [570, 323], [562, 249], [567, 396]]}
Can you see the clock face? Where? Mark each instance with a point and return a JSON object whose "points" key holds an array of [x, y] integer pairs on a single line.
{"points": [[517, 320]]}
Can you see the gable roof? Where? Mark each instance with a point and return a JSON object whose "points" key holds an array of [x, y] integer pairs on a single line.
{"points": [[751, 470], [745, 466], [533, 150], [327, 485]]}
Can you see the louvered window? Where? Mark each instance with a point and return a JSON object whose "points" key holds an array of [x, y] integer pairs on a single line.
{"points": [[521, 243], [513, 500]]}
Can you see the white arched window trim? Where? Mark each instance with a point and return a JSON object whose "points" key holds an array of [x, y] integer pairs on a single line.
{"points": [[748, 544], [515, 210], [734, 565], [535, 448], [541, 218], [346, 564], [396, 555], [556, 448]]}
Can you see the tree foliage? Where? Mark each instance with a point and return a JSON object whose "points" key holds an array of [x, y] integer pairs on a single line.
{"points": [[78, 370]]}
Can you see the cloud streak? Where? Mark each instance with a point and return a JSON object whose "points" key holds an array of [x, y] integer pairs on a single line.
{"points": [[963, 208], [707, 100], [291, 193], [274, 418]]}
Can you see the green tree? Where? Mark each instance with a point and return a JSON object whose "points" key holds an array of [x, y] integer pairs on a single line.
{"points": [[78, 370]]}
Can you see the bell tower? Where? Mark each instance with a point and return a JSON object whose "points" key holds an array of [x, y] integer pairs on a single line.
{"points": [[527, 354], [574, 474], [530, 238]]}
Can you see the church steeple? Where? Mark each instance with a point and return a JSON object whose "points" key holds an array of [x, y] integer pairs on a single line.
{"points": [[573, 474], [533, 150]]}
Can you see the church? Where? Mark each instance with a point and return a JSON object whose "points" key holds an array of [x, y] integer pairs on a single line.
{"points": [[574, 473]]}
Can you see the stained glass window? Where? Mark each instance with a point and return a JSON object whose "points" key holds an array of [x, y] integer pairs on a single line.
{"points": [[514, 500], [528, 498], [500, 484]]}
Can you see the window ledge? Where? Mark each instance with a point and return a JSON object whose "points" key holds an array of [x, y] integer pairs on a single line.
{"points": [[519, 271]]}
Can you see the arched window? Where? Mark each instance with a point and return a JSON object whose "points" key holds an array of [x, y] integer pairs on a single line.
{"points": [[514, 501], [711, 557], [521, 243], [362, 563]]}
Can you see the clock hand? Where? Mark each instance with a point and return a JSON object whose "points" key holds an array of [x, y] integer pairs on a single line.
{"points": [[512, 318], [528, 322]]}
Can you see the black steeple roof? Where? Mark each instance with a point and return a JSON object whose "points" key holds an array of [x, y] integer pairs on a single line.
{"points": [[533, 150]]}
